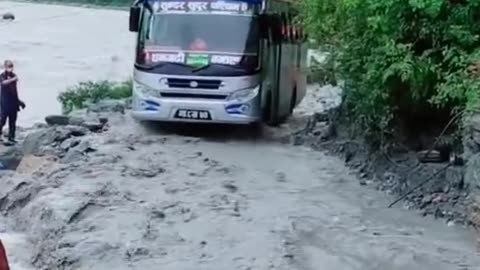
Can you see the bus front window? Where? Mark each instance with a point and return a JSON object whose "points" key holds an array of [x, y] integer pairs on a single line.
{"points": [[226, 40]]}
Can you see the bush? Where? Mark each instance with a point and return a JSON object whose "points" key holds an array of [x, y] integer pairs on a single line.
{"points": [[400, 57], [84, 93]]}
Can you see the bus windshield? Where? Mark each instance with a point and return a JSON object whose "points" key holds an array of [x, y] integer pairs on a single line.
{"points": [[223, 43]]}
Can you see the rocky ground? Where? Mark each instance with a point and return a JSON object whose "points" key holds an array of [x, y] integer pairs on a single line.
{"points": [[99, 191], [396, 170]]}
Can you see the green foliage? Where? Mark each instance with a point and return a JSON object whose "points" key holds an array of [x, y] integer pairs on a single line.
{"points": [[84, 93], [396, 54]]}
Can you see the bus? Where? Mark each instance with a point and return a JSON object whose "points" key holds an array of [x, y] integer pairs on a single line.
{"points": [[217, 61]]}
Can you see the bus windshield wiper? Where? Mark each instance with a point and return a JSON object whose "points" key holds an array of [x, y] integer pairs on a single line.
{"points": [[209, 65], [161, 64]]}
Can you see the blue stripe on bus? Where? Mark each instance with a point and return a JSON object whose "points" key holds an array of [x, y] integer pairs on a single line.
{"points": [[152, 103]]}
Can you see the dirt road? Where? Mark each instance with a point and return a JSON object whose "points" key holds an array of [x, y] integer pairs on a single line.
{"points": [[143, 199], [136, 198]]}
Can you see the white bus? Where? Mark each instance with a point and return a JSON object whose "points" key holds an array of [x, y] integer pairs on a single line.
{"points": [[233, 61]]}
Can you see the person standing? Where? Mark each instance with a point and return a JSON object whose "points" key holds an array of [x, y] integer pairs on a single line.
{"points": [[10, 104]]}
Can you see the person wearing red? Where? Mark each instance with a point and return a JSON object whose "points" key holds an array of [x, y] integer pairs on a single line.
{"points": [[3, 258]]}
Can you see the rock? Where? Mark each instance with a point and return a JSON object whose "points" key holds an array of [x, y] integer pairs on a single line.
{"points": [[474, 122], [10, 157], [8, 16], [471, 135], [72, 156], [61, 120], [474, 210], [84, 147], [108, 106], [69, 143], [36, 142], [476, 136], [426, 201], [94, 125], [76, 131], [472, 172], [455, 177], [230, 187], [76, 121]]}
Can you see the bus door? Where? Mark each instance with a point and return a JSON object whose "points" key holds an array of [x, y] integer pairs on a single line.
{"points": [[277, 96]]}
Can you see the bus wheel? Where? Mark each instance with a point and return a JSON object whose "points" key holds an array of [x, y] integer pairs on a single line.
{"points": [[271, 120], [267, 111], [283, 119]]}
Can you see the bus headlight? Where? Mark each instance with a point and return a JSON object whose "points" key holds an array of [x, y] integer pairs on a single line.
{"points": [[244, 94], [145, 90]]}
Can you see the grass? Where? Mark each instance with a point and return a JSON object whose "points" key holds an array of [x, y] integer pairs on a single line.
{"points": [[85, 93]]}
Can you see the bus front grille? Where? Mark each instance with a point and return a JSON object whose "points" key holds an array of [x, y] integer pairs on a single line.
{"points": [[193, 84], [195, 96]]}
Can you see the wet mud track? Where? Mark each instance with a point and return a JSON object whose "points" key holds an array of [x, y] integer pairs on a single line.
{"points": [[145, 200]]}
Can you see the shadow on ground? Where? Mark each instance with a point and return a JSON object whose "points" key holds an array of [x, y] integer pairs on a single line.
{"points": [[209, 132]]}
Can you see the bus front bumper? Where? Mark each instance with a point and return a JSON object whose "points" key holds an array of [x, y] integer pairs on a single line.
{"points": [[189, 110]]}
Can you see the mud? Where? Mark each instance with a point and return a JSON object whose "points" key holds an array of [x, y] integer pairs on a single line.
{"points": [[147, 197]]}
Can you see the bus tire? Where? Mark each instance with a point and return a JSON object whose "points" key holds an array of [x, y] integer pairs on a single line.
{"points": [[270, 120], [267, 110], [283, 119]]}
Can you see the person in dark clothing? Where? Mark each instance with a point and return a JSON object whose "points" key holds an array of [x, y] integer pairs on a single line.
{"points": [[10, 104]]}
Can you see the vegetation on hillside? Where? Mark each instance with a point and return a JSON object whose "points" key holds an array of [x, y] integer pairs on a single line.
{"points": [[400, 58], [84, 93]]}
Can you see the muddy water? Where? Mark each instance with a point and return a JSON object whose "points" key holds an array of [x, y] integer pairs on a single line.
{"points": [[54, 47]]}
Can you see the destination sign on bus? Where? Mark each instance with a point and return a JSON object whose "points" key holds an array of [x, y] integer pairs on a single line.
{"points": [[155, 56], [234, 7]]}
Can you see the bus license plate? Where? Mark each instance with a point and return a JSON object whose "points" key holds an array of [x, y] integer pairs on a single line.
{"points": [[193, 114]]}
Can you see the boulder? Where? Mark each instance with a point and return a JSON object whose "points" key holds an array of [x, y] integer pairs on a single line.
{"points": [[472, 172], [10, 157], [78, 152], [94, 125], [37, 142], [57, 120], [471, 136], [108, 105]]}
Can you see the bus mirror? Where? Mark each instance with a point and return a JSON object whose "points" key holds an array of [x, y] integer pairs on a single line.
{"points": [[134, 18]]}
